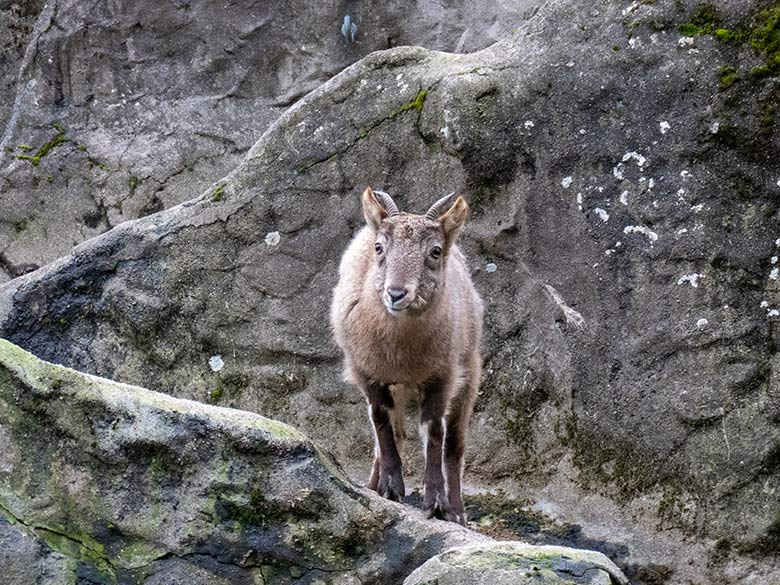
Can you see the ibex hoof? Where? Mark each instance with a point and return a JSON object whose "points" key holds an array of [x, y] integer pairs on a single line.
{"points": [[457, 517], [391, 485], [437, 506]]}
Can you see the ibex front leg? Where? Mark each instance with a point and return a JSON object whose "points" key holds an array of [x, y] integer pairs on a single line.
{"points": [[386, 476], [432, 407]]}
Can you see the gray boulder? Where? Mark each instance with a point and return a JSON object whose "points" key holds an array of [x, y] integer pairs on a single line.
{"points": [[514, 563], [103, 482]]}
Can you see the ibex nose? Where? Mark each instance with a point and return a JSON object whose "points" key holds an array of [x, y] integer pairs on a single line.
{"points": [[396, 294]]}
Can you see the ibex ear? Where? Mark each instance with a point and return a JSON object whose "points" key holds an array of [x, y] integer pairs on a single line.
{"points": [[372, 209], [452, 221]]}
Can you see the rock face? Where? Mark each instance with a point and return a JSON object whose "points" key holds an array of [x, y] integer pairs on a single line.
{"points": [[513, 563], [122, 109], [624, 237], [103, 482]]}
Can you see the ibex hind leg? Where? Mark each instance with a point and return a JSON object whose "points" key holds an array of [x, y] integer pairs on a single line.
{"points": [[386, 475], [457, 423]]}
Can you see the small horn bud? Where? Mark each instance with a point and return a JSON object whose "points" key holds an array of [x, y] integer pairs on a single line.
{"points": [[438, 208], [387, 202]]}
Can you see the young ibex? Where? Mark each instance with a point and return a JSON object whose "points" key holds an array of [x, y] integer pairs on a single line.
{"points": [[406, 315]]}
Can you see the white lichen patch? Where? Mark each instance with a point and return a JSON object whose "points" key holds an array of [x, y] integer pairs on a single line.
{"points": [[778, 182], [702, 323], [490, 267], [764, 304], [773, 260], [445, 132], [640, 229], [634, 43], [272, 238], [714, 130], [617, 171], [681, 231], [692, 279], [528, 124], [773, 313], [571, 315], [624, 198], [651, 183], [216, 363], [697, 208], [566, 182], [603, 215], [684, 42], [774, 273], [685, 175], [579, 201], [630, 8], [640, 160], [664, 127], [402, 85]]}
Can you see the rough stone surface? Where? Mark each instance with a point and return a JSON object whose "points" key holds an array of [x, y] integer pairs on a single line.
{"points": [[154, 100], [16, 25], [26, 559], [625, 199], [109, 483], [513, 563]]}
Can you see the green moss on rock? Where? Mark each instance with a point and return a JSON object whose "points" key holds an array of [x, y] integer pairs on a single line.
{"points": [[75, 549], [58, 139], [761, 32], [416, 104], [727, 75]]}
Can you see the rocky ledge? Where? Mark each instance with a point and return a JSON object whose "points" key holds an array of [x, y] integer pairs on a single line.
{"points": [[102, 482]]}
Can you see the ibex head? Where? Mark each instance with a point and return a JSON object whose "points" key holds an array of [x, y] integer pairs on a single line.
{"points": [[411, 250]]}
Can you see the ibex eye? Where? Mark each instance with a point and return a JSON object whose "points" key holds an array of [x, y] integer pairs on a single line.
{"points": [[378, 248], [436, 252]]}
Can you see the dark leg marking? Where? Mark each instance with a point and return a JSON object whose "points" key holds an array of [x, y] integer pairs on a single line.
{"points": [[454, 447], [386, 475], [433, 404]]}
